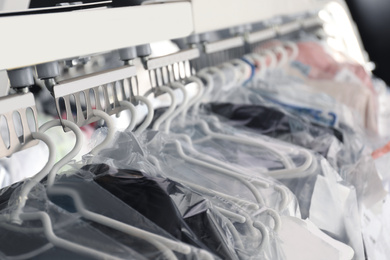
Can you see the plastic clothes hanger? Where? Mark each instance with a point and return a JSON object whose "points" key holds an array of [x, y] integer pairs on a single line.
{"points": [[165, 245], [74, 195], [195, 161], [240, 218], [167, 113], [182, 106], [284, 192], [149, 116], [241, 140], [232, 229], [196, 101], [19, 216], [293, 47], [284, 173], [133, 112], [270, 212], [282, 56]]}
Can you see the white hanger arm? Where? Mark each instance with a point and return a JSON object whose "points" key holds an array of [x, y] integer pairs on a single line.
{"points": [[110, 134], [245, 141], [75, 150], [180, 108], [133, 231], [231, 215], [170, 110], [149, 116], [62, 243], [37, 178], [284, 193], [18, 216], [133, 112]]}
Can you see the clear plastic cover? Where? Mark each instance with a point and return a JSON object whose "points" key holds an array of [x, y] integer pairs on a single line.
{"points": [[244, 109], [308, 188], [29, 239], [229, 202]]}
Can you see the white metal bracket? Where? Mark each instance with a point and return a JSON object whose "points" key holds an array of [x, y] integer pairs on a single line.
{"points": [[16, 104], [100, 91]]}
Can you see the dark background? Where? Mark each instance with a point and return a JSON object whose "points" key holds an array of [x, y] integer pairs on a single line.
{"points": [[373, 20]]}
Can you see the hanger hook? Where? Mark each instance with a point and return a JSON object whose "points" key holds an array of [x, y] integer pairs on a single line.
{"points": [[29, 185], [149, 116], [110, 133], [133, 111], [75, 150]]}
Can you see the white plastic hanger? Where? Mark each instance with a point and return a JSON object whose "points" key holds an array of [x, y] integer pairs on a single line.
{"points": [[243, 218], [232, 174], [289, 45], [166, 246], [170, 115], [182, 106], [149, 116], [204, 126], [290, 171], [19, 216], [167, 113], [256, 224], [241, 140]]}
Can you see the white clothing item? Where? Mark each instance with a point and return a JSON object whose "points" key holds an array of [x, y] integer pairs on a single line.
{"points": [[302, 240]]}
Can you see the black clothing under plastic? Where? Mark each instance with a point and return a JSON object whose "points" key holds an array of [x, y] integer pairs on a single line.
{"points": [[178, 210], [268, 120]]}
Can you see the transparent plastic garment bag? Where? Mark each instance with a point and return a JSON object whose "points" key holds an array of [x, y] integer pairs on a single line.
{"points": [[241, 105], [293, 182], [352, 237], [241, 219], [80, 220], [126, 150]]}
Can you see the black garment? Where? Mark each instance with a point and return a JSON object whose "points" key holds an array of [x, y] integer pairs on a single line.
{"points": [[6, 193], [181, 212], [268, 121], [16, 240], [81, 231]]}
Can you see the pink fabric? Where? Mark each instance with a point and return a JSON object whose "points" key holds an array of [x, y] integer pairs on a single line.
{"points": [[324, 66], [322, 75]]}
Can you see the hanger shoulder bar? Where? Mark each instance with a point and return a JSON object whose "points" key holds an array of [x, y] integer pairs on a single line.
{"points": [[86, 82]]}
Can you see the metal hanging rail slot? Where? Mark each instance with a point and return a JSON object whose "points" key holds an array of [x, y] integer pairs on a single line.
{"points": [[104, 94], [288, 28], [262, 35], [163, 61], [311, 22], [17, 103], [87, 82], [223, 45]]}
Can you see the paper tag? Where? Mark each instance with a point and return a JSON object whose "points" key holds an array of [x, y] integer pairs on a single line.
{"points": [[302, 240], [329, 196]]}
